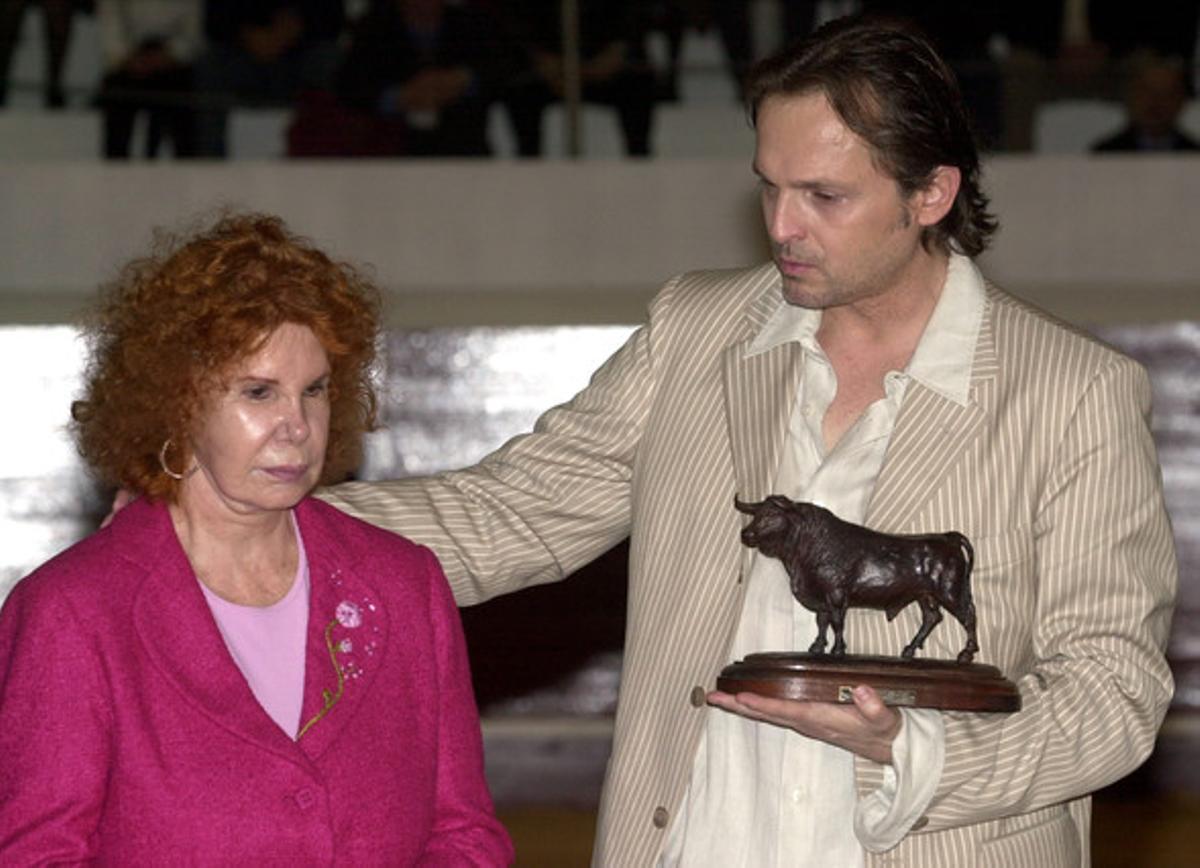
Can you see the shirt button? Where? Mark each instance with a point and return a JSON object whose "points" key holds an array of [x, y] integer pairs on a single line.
{"points": [[304, 799], [698, 697], [797, 795], [661, 817]]}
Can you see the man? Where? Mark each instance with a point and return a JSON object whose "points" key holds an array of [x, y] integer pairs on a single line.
{"points": [[262, 52], [1155, 97], [871, 369], [612, 70], [431, 66]]}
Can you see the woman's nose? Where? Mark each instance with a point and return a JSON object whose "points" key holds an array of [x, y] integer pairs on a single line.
{"points": [[294, 424]]}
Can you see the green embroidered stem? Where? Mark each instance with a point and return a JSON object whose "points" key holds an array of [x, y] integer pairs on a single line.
{"points": [[330, 698]]}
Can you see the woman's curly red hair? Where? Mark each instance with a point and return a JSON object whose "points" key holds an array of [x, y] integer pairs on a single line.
{"points": [[167, 330]]}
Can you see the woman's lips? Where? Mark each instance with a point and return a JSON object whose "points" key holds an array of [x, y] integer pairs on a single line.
{"points": [[287, 472]]}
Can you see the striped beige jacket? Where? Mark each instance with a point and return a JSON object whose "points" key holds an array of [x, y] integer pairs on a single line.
{"points": [[1049, 469]]}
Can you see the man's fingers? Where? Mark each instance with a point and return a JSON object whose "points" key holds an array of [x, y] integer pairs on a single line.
{"points": [[121, 499], [866, 726]]}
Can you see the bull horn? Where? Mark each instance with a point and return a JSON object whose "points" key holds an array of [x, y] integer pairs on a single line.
{"points": [[748, 508]]}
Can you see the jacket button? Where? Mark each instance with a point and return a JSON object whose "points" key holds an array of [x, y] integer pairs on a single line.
{"points": [[698, 697], [660, 817], [304, 799], [921, 823]]}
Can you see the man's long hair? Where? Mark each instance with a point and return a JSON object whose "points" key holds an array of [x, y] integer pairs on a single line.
{"points": [[891, 88]]}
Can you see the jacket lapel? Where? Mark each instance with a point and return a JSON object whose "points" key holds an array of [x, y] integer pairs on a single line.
{"points": [[930, 434], [177, 631], [347, 635], [760, 391]]}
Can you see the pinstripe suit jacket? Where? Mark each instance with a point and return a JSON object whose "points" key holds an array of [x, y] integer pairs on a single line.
{"points": [[1049, 469]]}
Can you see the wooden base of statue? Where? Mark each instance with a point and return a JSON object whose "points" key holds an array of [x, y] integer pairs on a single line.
{"points": [[920, 683]]}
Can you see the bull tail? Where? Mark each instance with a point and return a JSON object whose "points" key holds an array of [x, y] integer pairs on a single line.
{"points": [[956, 590], [968, 550], [964, 609]]}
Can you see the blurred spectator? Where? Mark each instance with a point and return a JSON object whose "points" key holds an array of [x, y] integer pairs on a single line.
{"points": [[429, 70], [262, 52], [148, 49], [669, 19], [613, 68], [56, 24], [1154, 99], [732, 19], [1071, 49]]}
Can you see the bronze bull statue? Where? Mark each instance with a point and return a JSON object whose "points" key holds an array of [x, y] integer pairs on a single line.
{"points": [[835, 565]]}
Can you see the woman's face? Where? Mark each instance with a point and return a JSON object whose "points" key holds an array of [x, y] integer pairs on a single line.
{"points": [[261, 443]]}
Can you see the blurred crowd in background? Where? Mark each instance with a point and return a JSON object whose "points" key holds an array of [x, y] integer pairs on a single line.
{"points": [[420, 77]]}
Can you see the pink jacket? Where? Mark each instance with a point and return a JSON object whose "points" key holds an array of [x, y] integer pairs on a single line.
{"points": [[129, 736]]}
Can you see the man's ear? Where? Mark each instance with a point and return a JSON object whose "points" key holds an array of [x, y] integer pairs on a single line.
{"points": [[933, 201]]}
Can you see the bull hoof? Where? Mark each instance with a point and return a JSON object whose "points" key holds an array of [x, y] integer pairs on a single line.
{"points": [[816, 648], [965, 656], [908, 653]]}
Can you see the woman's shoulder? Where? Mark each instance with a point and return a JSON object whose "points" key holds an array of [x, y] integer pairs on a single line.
{"points": [[331, 524], [81, 578], [104, 565], [405, 574]]}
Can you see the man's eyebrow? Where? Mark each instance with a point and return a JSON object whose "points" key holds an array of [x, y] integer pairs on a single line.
{"points": [[814, 184]]}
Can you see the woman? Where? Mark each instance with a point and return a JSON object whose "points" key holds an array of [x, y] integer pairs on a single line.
{"points": [[232, 672]]}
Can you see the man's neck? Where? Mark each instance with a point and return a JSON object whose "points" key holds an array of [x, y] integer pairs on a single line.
{"points": [[889, 324], [866, 340]]}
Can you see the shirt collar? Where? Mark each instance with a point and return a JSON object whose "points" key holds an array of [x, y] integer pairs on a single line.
{"points": [[788, 323], [943, 358]]}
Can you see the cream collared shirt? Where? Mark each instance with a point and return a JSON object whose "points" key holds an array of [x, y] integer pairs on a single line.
{"points": [[761, 795]]}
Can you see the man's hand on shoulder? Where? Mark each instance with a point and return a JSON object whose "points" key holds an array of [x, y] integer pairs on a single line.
{"points": [[121, 499]]}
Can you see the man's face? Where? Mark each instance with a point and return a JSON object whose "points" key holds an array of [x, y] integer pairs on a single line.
{"points": [[1156, 98], [840, 230]]}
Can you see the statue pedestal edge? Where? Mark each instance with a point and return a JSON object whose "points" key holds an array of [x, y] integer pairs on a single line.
{"points": [[918, 683]]}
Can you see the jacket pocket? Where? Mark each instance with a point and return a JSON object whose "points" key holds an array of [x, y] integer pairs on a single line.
{"points": [[1046, 838]]}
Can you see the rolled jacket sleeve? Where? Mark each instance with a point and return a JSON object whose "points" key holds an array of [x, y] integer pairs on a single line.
{"points": [[883, 817]]}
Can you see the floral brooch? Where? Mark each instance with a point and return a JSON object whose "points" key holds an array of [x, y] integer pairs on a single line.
{"points": [[349, 616]]}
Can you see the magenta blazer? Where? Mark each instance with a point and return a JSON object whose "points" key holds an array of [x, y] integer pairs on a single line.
{"points": [[128, 735]]}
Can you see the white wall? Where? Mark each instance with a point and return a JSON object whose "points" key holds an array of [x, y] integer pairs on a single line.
{"points": [[1097, 239]]}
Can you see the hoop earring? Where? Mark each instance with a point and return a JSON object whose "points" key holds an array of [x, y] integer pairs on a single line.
{"points": [[162, 461]]}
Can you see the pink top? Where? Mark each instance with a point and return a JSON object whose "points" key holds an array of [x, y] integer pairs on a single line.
{"points": [[268, 642]]}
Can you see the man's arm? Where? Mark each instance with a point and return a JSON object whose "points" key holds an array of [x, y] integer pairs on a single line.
{"points": [[541, 506], [1099, 685]]}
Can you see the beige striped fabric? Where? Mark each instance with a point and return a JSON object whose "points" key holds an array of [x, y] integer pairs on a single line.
{"points": [[1050, 470]]}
